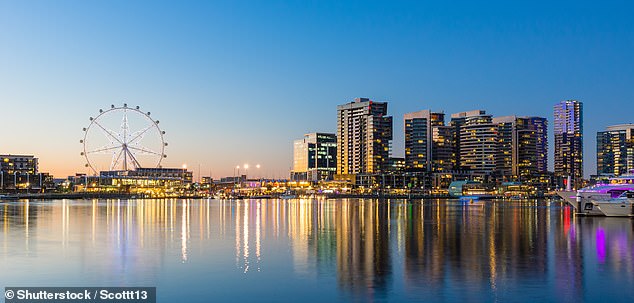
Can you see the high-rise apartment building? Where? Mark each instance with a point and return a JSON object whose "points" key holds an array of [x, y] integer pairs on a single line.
{"points": [[314, 157], [568, 128], [615, 150], [442, 149], [417, 126], [364, 134], [475, 141], [522, 146], [428, 142]]}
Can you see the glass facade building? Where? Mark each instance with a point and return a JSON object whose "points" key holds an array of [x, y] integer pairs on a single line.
{"points": [[615, 150], [314, 157], [442, 149], [568, 129], [417, 140], [522, 150], [428, 142]]}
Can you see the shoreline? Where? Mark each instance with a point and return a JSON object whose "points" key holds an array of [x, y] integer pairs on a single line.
{"points": [[87, 196]]}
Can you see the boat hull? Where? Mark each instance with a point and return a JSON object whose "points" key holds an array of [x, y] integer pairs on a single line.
{"points": [[615, 208]]}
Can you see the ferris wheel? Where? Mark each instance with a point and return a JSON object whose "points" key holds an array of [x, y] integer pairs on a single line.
{"points": [[123, 138]]}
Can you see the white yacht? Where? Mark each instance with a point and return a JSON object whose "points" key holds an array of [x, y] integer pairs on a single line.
{"points": [[582, 200], [622, 206]]}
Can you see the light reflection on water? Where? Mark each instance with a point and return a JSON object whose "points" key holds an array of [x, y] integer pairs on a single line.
{"points": [[316, 250]]}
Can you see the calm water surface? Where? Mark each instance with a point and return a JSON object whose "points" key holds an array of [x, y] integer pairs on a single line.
{"points": [[320, 250]]}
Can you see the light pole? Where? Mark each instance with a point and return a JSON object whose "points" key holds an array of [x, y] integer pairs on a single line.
{"points": [[246, 179], [235, 177], [183, 182], [259, 177]]}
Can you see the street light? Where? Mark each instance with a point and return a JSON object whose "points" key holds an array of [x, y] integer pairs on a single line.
{"points": [[184, 170], [259, 176], [235, 178], [246, 170]]}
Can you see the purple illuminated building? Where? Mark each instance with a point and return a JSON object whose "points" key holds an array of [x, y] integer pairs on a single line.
{"points": [[568, 126]]}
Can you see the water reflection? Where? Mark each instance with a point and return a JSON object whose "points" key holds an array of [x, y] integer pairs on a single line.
{"points": [[363, 254], [365, 250]]}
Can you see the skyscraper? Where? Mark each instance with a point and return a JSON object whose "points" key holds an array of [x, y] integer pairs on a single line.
{"points": [[615, 150], [522, 149], [428, 142], [364, 134], [568, 127], [417, 126], [314, 157], [475, 141], [442, 149]]}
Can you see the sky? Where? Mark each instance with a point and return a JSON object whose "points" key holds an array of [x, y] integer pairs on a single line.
{"points": [[235, 82]]}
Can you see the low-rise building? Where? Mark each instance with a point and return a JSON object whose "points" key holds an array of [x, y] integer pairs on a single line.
{"points": [[152, 182], [314, 157], [20, 172]]}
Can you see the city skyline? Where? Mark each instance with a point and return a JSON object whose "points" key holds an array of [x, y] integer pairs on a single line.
{"points": [[237, 83]]}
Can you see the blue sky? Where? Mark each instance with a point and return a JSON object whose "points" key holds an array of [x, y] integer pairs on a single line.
{"points": [[235, 82]]}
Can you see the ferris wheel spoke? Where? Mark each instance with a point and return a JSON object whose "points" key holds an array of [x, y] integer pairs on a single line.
{"points": [[116, 160], [140, 134], [133, 159], [124, 125], [114, 156], [144, 150], [108, 133], [104, 148]]}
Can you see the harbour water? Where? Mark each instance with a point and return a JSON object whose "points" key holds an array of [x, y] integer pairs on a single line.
{"points": [[317, 250]]}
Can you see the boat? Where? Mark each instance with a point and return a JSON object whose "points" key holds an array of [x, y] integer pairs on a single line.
{"points": [[470, 189], [455, 188], [582, 199], [471, 200], [288, 195], [622, 206]]}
